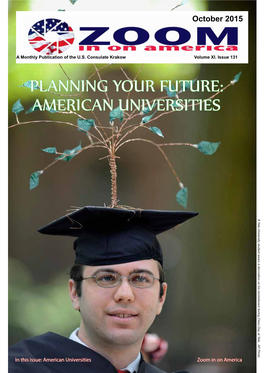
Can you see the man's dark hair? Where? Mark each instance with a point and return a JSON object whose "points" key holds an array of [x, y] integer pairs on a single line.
{"points": [[76, 274]]}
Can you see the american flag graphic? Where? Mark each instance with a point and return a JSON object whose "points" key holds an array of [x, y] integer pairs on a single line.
{"points": [[51, 36]]}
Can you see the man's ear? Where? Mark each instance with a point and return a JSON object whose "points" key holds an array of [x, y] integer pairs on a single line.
{"points": [[74, 296], [163, 297]]}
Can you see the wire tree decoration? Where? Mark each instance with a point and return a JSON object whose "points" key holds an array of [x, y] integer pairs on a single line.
{"points": [[117, 132]]}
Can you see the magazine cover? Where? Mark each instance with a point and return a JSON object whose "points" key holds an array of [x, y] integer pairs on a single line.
{"points": [[132, 187]]}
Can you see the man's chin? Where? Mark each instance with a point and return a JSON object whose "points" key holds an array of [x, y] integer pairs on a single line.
{"points": [[126, 338]]}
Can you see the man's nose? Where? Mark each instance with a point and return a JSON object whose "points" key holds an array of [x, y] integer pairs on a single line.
{"points": [[124, 291]]}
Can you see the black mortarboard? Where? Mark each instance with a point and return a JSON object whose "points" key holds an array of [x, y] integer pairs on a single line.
{"points": [[112, 236]]}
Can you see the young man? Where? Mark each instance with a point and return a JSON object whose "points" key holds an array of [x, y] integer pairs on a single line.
{"points": [[117, 285]]}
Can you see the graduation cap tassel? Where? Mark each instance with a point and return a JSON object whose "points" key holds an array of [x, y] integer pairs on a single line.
{"points": [[113, 171]]}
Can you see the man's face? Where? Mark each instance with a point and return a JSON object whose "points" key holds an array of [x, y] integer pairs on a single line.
{"points": [[102, 309]]}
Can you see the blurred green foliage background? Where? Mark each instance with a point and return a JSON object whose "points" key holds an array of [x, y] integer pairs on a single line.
{"points": [[209, 262]]}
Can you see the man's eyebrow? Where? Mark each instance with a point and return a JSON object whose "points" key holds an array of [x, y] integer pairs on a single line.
{"points": [[110, 270], [142, 270]]}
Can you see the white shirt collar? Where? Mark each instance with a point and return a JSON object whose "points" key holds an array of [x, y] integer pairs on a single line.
{"points": [[132, 367]]}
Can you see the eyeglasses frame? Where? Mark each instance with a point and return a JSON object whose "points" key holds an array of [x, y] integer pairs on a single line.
{"points": [[120, 279]]}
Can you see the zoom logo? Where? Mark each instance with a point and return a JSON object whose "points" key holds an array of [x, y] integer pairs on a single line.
{"points": [[50, 36]]}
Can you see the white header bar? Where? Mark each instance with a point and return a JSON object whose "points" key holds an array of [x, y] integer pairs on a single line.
{"points": [[132, 37]]}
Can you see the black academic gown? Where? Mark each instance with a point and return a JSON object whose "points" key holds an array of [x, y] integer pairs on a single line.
{"points": [[31, 355]]}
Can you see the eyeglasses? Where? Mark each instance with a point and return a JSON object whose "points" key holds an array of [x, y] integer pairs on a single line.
{"points": [[141, 280]]}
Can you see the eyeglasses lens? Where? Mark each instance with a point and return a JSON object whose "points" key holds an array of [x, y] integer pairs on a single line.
{"points": [[107, 280], [141, 280]]}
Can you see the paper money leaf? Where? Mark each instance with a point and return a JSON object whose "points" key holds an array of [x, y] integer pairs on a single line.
{"points": [[35, 108], [157, 131], [70, 153], [147, 118], [34, 179], [85, 124], [30, 110], [116, 113], [236, 78], [175, 104], [17, 107], [207, 147], [50, 150], [186, 85], [182, 197], [147, 110], [28, 85], [169, 92], [180, 4]]}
